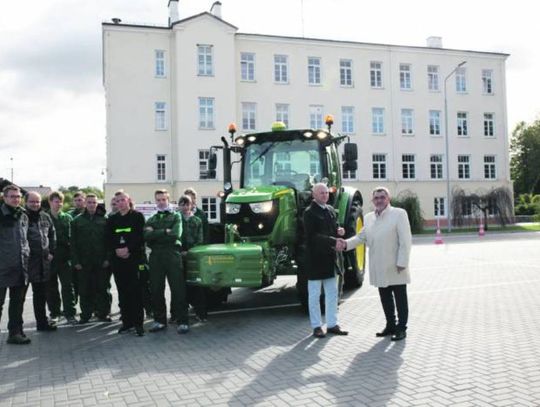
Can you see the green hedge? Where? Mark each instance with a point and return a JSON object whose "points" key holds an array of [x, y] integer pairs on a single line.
{"points": [[409, 201]]}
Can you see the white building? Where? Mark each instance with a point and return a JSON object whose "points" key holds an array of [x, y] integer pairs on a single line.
{"points": [[171, 92]]}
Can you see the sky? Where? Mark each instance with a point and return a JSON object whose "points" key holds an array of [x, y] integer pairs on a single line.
{"points": [[52, 102]]}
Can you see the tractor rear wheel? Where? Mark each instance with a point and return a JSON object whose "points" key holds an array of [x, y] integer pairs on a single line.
{"points": [[354, 260]]}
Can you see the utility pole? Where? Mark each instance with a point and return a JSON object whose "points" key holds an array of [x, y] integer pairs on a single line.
{"points": [[11, 159]]}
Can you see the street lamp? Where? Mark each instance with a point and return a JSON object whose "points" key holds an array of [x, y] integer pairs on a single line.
{"points": [[448, 212]]}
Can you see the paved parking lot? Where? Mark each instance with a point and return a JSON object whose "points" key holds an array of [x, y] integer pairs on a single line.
{"points": [[473, 340]]}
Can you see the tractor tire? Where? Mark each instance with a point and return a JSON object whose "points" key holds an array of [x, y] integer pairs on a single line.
{"points": [[354, 260]]}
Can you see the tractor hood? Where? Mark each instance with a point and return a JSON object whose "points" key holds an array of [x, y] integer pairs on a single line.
{"points": [[256, 194]]}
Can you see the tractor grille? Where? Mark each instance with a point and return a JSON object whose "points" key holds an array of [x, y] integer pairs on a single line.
{"points": [[254, 224]]}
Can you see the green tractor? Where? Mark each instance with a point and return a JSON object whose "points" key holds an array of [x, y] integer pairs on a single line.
{"points": [[263, 219]]}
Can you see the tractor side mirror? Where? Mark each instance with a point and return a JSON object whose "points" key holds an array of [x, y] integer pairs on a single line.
{"points": [[350, 152], [350, 166], [212, 161]]}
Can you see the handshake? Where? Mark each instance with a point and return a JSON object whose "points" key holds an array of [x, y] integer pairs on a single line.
{"points": [[341, 244]]}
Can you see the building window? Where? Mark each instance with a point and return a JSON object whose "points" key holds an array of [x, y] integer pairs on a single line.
{"points": [[205, 59], [433, 77], [407, 166], [345, 72], [375, 74], [490, 171], [160, 63], [206, 113], [435, 122], [314, 71], [282, 113], [489, 125], [377, 120], [379, 166], [436, 162], [464, 167], [462, 128], [461, 80], [210, 207], [161, 167], [316, 116], [247, 66], [407, 122], [467, 207], [347, 119], [249, 112], [405, 77], [160, 115], [487, 81], [203, 163], [439, 208], [281, 69]]}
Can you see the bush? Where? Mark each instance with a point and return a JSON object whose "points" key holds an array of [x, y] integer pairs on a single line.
{"points": [[409, 201]]}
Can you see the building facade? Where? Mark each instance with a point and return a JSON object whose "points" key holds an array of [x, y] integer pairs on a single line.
{"points": [[171, 92]]}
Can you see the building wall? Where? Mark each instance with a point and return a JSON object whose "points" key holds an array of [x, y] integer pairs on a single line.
{"points": [[132, 90]]}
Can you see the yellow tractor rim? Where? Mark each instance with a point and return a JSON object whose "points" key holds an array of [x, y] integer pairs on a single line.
{"points": [[360, 249]]}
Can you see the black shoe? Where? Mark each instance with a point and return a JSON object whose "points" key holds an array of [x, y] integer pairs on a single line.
{"points": [[125, 329], [139, 330], [172, 320], [83, 321], [46, 327], [399, 335], [336, 330], [18, 339], [104, 319], [318, 332], [386, 332]]}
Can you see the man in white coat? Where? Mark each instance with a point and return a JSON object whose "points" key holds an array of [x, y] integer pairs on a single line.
{"points": [[387, 234]]}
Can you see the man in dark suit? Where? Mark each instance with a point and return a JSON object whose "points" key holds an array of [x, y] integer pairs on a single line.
{"points": [[321, 227]]}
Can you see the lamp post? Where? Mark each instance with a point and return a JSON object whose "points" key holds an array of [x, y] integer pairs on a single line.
{"points": [[11, 159], [447, 137]]}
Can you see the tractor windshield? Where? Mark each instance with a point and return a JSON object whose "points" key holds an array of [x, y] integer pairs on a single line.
{"points": [[294, 163]]}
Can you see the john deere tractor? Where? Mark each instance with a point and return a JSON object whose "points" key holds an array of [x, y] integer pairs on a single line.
{"points": [[263, 219]]}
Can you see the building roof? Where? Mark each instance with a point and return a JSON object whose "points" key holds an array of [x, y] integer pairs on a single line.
{"points": [[43, 191]]}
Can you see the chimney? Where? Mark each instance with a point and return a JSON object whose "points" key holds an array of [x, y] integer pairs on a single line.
{"points": [[216, 9], [434, 42], [116, 20], [173, 12]]}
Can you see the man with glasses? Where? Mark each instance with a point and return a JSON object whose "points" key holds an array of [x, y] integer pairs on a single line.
{"points": [[387, 234]]}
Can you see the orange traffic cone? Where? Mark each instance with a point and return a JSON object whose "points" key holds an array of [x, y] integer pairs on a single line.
{"points": [[481, 231], [438, 237]]}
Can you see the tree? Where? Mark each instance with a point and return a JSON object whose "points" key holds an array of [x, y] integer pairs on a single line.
{"points": [[525, 158], [497, 201], [69, 191]]}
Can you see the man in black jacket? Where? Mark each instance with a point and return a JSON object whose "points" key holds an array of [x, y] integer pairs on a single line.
{"points": [[125, 246], [321, 229], [14, 253]]}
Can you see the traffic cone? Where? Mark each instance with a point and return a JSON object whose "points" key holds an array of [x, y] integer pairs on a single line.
{"points": [[481, 231], [438, 237]]}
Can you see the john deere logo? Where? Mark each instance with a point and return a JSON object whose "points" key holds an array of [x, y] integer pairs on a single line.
{"points": [[212, 260], [246, 220]]}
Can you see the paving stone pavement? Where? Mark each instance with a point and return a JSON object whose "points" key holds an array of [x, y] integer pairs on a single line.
{"points": [[473, 340]]}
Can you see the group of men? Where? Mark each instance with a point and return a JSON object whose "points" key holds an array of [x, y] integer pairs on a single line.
{"points": [[85, 247]]}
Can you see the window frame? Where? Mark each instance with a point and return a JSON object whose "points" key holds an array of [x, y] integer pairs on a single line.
{"points": [[377, 121], [346, 73], [379, 167], [160, 116], [405, 77], [408, 168], [436, 167], [375, 74], [206, 52], [434, 83], [283, 71], [247, 67], [314, 71], [159, 64], [161, 167], [464, 166], [407, 122], [249, 116], [209, 113]]}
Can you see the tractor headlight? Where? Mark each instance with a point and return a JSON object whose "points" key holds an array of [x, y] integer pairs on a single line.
{"points": [[232, 208], [261, 207]]}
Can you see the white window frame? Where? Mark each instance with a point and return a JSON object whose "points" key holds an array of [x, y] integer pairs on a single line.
{"points": [[436, 169], [161, 167], [206, 113], [462, 128], [316, 120], [205, 60], [405, 77], [377, 120], [210, 206], [282, 113], [345, 73], [407, 122], [159, 66], [489, 125], [487, 81], [433, 78], [375, 74], [461, 80], [464, 166], [435, 123], [490, 167], [204, 155], [347, 119], [160, 116], [314, 71], [247, 66], [408, 166], [281, 69], [439, 207], [378, 165], [249, 116]]}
